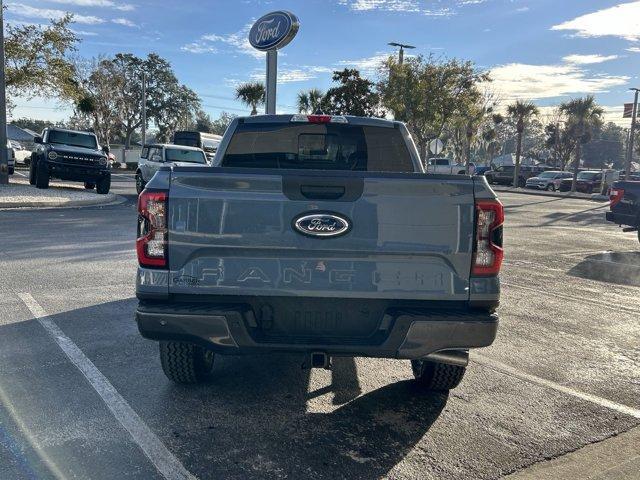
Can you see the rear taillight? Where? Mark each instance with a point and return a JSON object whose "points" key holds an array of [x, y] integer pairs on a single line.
{"points": [[151, 244], [488, 253], [615, 195], [319, 118]]}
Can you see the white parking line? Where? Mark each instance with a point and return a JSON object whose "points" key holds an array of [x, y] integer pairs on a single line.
{"points": [[164, 461], [19, 173], [509, 370]]}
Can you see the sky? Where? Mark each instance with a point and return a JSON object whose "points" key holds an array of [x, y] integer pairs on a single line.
{"points": [[546, 51]]}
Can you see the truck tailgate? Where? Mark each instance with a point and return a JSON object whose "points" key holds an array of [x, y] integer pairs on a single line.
{"points": [[231, 231]]}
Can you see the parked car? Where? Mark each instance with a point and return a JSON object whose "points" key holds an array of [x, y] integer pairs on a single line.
{"points": [[295, 244], [11, 158], [448, 166], [625, 205], [549, 180], [503, 175], [152, 157], [588, 181], [481, 170], [70, 155]]}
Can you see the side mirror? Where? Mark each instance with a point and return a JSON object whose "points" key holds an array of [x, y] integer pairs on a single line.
{"points": [[106, 149], [37, 139]]}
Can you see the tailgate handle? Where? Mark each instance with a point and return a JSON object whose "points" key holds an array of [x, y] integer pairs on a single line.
{"points": [[322, 192]]}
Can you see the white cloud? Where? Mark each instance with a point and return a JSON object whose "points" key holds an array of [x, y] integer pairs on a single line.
{"points": [[124, 21], [588, 59], [622, 20], [517, 80], [301, 73], [125, 7], [198, 47], [368, 66], [238, 41], [633, 49], [409, 6], [84, 33], [32, 12]]}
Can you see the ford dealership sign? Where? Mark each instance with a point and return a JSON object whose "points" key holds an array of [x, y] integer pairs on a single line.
{"points": [[274, 30]]}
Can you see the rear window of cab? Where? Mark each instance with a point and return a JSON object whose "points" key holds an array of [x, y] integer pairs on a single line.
{"points": [[318, 146]]}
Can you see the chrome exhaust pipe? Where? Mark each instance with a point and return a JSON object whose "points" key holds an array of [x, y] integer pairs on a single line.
{"points": [[451, 357]]}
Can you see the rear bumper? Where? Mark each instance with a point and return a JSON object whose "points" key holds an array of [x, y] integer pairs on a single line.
{"points": [[224, 329], [621, 219]]}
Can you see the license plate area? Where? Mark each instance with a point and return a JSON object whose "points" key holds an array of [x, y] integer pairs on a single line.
{"points": [[319, 321]]}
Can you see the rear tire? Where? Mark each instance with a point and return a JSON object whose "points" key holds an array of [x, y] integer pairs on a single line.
{"points": [[436, 376], [140, 183], [551, 187], [89, 186], [42, 175], [185, 363], [103, 185]]}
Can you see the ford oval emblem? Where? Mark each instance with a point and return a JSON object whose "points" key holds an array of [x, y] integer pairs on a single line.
{"points": [[273, 30], [321, 224]]}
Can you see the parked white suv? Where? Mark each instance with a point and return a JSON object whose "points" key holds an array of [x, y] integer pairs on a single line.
{"points": [[447, 166], [159, 155]]}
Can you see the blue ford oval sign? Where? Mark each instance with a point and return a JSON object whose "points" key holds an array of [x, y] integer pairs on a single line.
{"points": [[274, 30]]}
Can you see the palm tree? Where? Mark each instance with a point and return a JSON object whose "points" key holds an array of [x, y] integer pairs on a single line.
{"points": [[251, 94], [520, 112], [583, 114], [310, 101]]}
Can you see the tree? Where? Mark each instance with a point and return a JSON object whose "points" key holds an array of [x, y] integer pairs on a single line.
{"points": [[177, 112], [583, 115], [310, 101], [203, 122], [427, 93], [252, 94], [353, 96], [37, 59], [221, 124], [607, 147], [560, 142], [520, 112]]}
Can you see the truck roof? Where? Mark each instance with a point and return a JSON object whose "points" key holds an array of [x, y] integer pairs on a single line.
{"points": [[60, 129], [352, 120]]}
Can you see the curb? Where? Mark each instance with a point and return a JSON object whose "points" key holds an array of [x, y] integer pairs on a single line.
{"points": [[592, 197], [117, 200]]}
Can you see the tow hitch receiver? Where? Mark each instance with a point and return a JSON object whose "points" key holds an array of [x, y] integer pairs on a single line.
{"points": [[317, 360]]}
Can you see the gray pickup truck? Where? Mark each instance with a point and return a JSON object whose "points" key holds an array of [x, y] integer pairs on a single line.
{"points": [[322, 236]]}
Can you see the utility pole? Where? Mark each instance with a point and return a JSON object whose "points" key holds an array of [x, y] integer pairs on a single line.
{"points": [[401, 52], [632, 132], [144, 108], [4, 160]]}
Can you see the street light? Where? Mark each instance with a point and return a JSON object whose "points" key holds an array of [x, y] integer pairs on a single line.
{"points": [[632, 132], [402, 47]]}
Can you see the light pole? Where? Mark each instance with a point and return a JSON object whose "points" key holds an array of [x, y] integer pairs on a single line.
{"points": [[401, 52], [144, 109], [632, 132], [4, 160]]}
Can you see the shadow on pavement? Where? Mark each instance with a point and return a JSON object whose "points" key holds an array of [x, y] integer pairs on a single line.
{"points": [[260, 416], [621, 268]]}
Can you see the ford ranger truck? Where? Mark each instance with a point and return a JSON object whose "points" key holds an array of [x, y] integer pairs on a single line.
{"points": [[321, 236]]}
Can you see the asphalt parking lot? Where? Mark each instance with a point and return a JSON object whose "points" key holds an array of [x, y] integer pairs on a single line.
{"points": [[82, 395]]}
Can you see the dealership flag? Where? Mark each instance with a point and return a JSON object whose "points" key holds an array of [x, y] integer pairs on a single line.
{"points": [[628, 110]]}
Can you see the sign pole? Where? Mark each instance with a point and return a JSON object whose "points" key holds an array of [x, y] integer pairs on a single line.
{"points": [[4, 159], [272, 79], [634, 114]]}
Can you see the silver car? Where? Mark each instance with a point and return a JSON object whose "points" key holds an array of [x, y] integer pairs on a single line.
{"points": [[159, 155], [549, 180]]}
